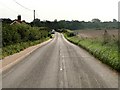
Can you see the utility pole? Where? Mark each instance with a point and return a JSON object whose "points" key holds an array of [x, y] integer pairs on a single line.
{"points": [[34, 14], [34, 18]]}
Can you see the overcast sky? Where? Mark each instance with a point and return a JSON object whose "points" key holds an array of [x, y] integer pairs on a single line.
{"points": [[105, 10]]}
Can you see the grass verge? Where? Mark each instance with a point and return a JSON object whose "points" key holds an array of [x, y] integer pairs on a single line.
{"points": [[106, 53], [11, 49]]}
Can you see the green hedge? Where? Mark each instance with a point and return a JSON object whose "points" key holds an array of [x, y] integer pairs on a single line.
{"points": [[21, 33], [17, 37]]}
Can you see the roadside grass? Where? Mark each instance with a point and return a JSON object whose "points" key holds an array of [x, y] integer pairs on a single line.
{"points": [[107, 53], [15, 48], [17, 37]]}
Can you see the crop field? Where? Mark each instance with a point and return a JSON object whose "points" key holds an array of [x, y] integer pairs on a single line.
{"points": [[103, 44], [96, 33]]}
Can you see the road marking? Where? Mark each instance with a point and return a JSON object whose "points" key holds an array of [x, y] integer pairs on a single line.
{"points": [[97, 82], [61, 69], [60, 59], [64, 73]]}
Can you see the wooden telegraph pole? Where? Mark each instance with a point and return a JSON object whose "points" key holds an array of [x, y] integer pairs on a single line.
{"points": [[34, 14]]}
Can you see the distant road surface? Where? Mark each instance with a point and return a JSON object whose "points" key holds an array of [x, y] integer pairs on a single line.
{"points": [[60, 64]]}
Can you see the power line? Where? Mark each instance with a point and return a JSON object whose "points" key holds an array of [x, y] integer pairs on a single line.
{"points": [[22, 5], [7, 7]]}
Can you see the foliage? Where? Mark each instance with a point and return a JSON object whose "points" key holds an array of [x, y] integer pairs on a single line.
{"points": [[76, 25], [72, 25], [21, 33], [69, 33], [107, 53], [17, 47], [17, 37]]}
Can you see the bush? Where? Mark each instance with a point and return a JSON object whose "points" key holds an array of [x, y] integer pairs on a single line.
{"points": [[17, 37], [21, 33]]}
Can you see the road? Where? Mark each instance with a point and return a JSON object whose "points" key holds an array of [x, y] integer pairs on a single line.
{"points": [[60, 64]]}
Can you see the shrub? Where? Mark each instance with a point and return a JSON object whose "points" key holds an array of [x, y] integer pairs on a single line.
{"points": [[22, 32]]}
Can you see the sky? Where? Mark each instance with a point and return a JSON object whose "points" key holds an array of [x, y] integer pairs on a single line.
{"points": [[82, 10]]}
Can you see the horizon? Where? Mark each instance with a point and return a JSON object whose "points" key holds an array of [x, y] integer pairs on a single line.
{"points": [[62, 20]]}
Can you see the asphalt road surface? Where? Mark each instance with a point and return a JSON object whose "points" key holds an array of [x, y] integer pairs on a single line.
{"points": [[60, 64]]}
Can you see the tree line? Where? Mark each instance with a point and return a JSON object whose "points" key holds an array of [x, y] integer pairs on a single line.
{"points": [[75, 24], [72, 25], [33, 31]]}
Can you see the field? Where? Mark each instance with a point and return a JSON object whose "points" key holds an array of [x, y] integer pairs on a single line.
{"points": [[96, 33], [103, 44]]}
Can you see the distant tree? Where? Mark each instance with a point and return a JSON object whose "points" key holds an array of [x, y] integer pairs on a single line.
{"points": [[75, 24], [114, 20], [95, 20], [36, 22], [6, 21], [55, 20], [55, 24]]}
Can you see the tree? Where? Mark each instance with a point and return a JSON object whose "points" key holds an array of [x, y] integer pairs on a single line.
{"points": [[114, 20], [36, 22], [95, 20]]}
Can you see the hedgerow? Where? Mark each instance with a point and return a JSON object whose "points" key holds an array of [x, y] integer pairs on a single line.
{"points": [[17, 37], [21, 33]]}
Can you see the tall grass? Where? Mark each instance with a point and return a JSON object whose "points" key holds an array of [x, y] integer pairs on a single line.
{"points": [[15, 48], [105, 50]]}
